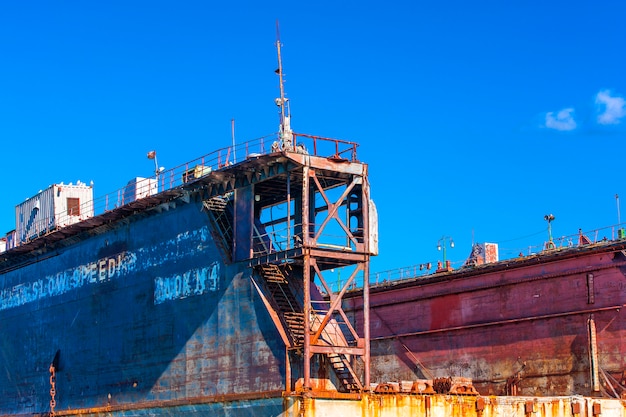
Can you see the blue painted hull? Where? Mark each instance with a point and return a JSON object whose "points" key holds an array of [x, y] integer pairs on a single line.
{"points": [[143, 312]]}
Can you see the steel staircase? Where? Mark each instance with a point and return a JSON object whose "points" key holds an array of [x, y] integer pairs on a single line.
{"points": [[284, 297], [220, 210], [344, 372], [341, 363]]}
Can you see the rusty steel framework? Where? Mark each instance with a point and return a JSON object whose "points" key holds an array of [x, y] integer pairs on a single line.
{"points": [[330, 223], [314, 258], [290, 216], [319, 237], [326, 226]]}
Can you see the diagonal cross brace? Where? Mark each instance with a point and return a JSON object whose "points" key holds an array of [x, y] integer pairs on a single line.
{"points": [[334, 306], [332, 208]]}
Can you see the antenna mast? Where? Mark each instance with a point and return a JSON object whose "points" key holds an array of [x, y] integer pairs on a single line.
{"points": [[232, 132], [286, 136]]}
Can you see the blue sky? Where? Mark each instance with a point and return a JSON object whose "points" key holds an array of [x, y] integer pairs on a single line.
{"points": [[476, 118]]}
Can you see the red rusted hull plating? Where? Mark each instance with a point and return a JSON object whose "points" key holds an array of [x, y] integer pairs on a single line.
{"points": [[546, 325]]}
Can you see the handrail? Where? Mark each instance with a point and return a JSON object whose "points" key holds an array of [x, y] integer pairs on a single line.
{"points": [[423, 270], [185, 173]]}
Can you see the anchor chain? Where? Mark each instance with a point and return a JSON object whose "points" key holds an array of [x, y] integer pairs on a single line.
{"points": [[53, 390]]}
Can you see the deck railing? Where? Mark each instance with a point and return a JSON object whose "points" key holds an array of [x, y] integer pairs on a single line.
{"points": [[602, 235], [169, 179]]}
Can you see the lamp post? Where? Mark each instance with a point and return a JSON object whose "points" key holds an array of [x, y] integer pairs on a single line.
{"points": [[157, 169], [621, 233], [441, 245], [152, 155], [549, 218]]}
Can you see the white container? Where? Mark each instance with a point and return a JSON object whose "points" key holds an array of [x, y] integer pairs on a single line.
{"points": [[57, 206], [139, 188]]}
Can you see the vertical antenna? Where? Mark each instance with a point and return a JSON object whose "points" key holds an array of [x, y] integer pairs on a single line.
{"points": [[618, 217], [285, 125], [232, 129], [281, 103]]}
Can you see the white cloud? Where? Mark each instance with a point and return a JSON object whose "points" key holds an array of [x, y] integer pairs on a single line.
{"points": [[563, 120], [611, 109]]}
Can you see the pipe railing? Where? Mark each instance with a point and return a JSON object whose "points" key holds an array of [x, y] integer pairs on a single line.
{"points": [[188, 172], [602, 235]]}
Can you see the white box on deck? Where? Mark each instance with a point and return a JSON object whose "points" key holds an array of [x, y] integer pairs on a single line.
{"points": [[140, 187], [57, 206]]}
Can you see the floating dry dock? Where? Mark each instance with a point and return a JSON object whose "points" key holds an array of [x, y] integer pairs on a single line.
{"points": [[208, 295], [205, 289]]}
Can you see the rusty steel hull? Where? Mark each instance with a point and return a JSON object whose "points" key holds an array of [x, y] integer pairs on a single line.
{"points": [[141, 311], [173, 304], [516, 327], [370, 405], [403, 405]]}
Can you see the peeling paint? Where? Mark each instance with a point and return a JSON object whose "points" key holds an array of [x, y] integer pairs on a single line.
{"points": [[178, 286], [194, 282], [104, 269]]}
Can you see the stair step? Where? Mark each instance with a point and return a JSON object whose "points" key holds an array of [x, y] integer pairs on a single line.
{"points": [[299, 320], [343, 372], [276, 279]]}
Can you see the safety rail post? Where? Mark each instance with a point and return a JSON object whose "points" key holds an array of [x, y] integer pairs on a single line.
{"points": [[227, 159]]}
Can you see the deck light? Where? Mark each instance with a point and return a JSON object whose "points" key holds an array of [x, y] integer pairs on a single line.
{"points": [[549, 244], [441, 244]]}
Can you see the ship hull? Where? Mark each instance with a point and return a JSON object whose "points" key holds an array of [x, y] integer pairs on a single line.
{"points": [[546, 325], [140, 312]]}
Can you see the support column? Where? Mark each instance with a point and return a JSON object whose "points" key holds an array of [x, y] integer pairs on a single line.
{"points": [[366, 324], [306, 279], [307, 321], [289, 243], [287, 370], [366, 281]]}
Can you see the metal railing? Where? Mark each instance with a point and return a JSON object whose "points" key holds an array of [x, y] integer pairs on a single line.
{"points": [[189, 172], [602, 235]]}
